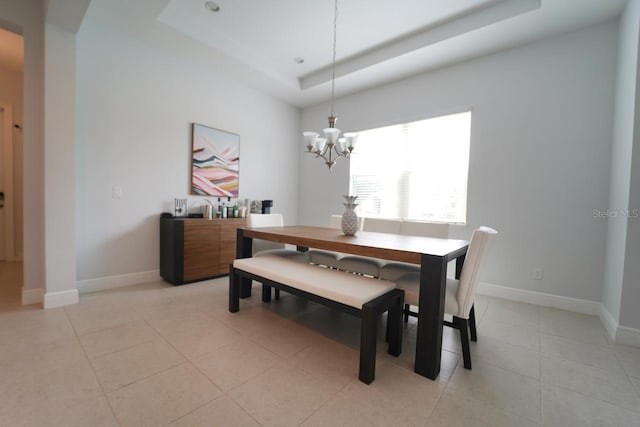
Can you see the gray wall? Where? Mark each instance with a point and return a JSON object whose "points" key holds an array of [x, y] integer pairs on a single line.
{"points": [[630, 315], [539, 161], [621, 163], [135, 108]]}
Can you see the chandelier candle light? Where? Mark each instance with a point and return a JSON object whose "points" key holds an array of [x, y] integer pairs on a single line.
{"points": [[332, 146]]}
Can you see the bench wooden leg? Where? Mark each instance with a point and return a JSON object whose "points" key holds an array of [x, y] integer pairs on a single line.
{"points": [[394, 326], [234, 291], [277, 292], [266, 293], [368, 337], [245, 291]]}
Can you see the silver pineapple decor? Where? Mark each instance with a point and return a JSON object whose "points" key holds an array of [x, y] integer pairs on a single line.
{"points": [[349, 217]]}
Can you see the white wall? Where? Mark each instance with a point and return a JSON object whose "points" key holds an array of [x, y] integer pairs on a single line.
{"points": [[26, 17], [11, 92], [135, 108], [60, 140], [539, 161], [630, 123], [621, 151]]}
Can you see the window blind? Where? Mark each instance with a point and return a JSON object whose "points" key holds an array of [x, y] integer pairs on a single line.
{"points": [[414, 170]]}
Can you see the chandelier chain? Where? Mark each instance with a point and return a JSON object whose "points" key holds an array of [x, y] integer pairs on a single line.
{"points": [[331, 147], [333, 67]]}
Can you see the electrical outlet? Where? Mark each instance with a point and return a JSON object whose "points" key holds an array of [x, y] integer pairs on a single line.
{"points": [[537, 274]]}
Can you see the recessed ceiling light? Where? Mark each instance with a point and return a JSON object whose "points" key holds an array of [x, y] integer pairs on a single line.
{"points": [[212, 6], [298, 60]]}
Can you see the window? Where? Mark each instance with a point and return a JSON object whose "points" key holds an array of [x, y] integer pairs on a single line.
{"points": [[414, 170]]}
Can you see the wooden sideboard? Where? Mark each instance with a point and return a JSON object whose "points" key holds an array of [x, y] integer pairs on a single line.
{"points": [[193, 249]]}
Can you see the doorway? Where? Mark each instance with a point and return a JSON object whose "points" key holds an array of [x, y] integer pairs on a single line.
{"points": [[7, 233], [11, 166]]}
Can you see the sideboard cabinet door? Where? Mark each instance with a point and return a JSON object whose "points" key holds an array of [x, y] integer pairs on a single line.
{"points": [[193, 249], [228, 232], [201, 250]]}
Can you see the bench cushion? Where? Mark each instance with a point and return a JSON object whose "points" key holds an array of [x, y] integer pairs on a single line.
{"points": [[340, 286]]}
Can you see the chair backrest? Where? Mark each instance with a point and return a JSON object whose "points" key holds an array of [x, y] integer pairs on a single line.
{"points": [[335, 221], [473, 262], [265, 220], [424, 229], [380, 225]]}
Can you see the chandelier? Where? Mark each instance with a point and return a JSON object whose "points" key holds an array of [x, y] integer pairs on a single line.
{"points": [[331, 147]]}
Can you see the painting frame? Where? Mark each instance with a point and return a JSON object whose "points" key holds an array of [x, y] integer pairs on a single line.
{"points": [[215, 162]]}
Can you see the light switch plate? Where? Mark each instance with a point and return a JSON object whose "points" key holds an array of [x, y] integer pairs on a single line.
{"points": [[116, 192]]}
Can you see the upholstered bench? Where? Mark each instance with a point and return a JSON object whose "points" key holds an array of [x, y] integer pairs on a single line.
{"points": [[359, 296]]}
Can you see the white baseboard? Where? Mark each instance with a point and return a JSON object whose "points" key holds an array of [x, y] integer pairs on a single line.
{"points": [[628, 336], [112, 282], [62, 298], [540, 298], [609, 322], [618, 334], [32, 296]]}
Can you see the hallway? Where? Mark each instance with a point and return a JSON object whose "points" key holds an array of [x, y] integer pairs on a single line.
{"points": [[11, 287]]}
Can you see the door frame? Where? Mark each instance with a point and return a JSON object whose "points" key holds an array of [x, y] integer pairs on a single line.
{"points": [[7, 166]]}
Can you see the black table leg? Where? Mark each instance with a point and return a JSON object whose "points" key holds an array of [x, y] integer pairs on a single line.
{"points": [[433, 280], [243, 250], [459, 264]]}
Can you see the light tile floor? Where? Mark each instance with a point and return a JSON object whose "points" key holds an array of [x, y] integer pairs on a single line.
{"points": [[154, 355]]}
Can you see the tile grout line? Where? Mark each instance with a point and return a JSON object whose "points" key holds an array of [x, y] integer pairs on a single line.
{"points": [[193, 365], [182, 362], [542, 383], [629, 377], [120, 350], [499, 407], [327, 400], [193, 410], [493, 405], [435, 405], [108, 328], [242, 408], [95, 375], [580, 363]]}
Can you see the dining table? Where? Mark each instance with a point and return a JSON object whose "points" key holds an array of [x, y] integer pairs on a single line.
{"points": [[432, 254]]}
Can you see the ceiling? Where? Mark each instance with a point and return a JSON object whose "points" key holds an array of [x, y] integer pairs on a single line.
{"points": [[256, 41]]}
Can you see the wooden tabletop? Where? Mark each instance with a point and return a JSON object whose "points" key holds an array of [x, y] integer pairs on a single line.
{"points": [[395, 247]]}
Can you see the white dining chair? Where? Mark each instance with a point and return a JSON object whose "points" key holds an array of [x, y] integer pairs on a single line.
{"points": [[394, 270], [424, 229], [365, 265], [382, 225], [327, 258], [265, 247], [459, 294]]}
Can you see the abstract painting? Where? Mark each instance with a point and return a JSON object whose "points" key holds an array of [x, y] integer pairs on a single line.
{"points": [[215, 162]]}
